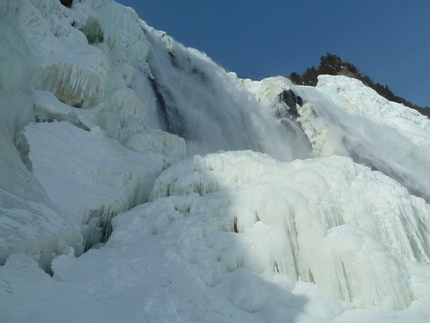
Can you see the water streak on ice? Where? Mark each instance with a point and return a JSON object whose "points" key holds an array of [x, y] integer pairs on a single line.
{"points": [[196, 99]]}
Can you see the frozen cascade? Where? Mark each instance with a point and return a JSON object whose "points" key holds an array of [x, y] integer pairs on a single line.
{"points": [[269, 93], [333, 131], [328, 221], [95, 105], [344, 117], [51, 34], [26, 211], [354, 97], [48, 71], [199, 101]]}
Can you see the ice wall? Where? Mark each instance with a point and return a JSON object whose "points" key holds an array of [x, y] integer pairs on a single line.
{"points": [[328, 221], [26, 212], [64, 83]]}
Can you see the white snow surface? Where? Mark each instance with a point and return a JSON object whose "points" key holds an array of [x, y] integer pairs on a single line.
{"points": [[353, 96], [140, 182]]}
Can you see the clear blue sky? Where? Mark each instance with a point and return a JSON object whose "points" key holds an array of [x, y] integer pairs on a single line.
{"points": [[389, 40]]}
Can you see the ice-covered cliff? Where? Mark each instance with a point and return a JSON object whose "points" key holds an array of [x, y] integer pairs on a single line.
{"points": [[142, 182]]}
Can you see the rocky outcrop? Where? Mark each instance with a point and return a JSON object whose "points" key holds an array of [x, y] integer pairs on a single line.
{"points": [[291, 100], [67, 3]]}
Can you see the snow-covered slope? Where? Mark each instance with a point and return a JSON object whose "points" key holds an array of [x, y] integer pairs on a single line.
{"points": [[354, 97], [141, 182]]}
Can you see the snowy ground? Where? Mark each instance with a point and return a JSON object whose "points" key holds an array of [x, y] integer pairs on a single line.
{"points": [[140, 182]]}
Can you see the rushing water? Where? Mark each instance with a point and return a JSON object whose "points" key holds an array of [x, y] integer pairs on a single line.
{"points": [[196, 99]]}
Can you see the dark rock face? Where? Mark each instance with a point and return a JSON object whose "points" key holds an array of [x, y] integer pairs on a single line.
{"points": [[291, 100], [67, 3]]}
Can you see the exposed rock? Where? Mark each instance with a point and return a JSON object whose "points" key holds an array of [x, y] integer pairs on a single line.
{"points": [[291, 100], [67, 3]]}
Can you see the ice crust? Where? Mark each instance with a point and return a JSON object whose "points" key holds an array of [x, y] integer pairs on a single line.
{"points": [[221, 210]]}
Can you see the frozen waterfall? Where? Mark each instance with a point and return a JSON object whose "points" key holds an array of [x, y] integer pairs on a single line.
{"points": [[196, 99], [141, 182], [381, 146]]}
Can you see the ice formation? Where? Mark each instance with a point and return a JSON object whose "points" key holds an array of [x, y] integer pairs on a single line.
{"points": [[55, 71], [353, 96], [318, 219], [151, 185]]}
